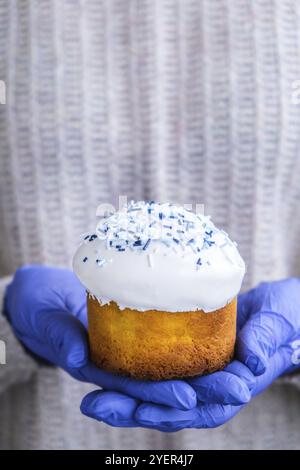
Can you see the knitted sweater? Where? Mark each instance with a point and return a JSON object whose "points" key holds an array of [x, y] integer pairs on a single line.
{"points": [[182, 100]]}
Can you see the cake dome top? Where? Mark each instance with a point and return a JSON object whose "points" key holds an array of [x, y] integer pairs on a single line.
{"points": [[160, 256]]}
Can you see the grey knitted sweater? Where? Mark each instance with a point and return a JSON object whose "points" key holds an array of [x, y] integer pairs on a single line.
{"points": [[186, 100]]}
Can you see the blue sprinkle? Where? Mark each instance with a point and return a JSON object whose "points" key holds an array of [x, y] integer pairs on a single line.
{"points": [[121, 249], [199, 262], [161, 215], [208, 242], [176, 240], [146, 244], [167, 226], [85, 238], [209, 233], [138, 243], [192, 240], [85, 259], [92, 237], [152, 223]]}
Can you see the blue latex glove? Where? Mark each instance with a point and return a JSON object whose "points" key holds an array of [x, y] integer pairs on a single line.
{"points": [[47, 310], [231, 386], [268, 345]]}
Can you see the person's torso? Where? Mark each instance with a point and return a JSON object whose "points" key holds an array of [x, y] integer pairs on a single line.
{"points": [[187, 101]]}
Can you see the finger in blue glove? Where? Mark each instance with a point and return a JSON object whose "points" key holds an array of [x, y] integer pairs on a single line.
{"points": [[231, 386], [170, 420], [270, 313], [174, 393], [260, 338], [113, 408]]}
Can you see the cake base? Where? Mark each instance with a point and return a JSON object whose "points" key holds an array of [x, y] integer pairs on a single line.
{"points": [[156, 345]]}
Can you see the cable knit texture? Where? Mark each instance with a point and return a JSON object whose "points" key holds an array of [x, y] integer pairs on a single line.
{"points": [[185, 100]]}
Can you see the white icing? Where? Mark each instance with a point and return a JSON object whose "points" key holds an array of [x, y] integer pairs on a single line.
{"points": [[155, 271]]}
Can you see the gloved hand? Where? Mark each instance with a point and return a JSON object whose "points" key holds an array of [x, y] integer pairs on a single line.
{"points": [[268, 345], [220, 397], [47, 310]]}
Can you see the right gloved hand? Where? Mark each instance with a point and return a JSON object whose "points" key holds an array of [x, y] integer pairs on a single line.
{"points": [[267, 346], [47, 310]]}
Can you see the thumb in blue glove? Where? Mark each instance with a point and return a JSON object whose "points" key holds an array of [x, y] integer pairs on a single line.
{"points": [[271, 321]]}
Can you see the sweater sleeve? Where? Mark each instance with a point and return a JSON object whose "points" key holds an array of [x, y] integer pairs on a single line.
{"points": [[15, 364]]}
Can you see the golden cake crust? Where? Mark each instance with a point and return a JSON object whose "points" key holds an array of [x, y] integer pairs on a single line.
{"points": [[156, 345]]}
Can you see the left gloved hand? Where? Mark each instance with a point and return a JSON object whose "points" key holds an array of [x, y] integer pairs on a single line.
{"points": [[268, 345], [47, 311]]}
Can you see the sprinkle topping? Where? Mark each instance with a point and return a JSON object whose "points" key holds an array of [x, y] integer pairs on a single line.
{"points": [[141, 224]]}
